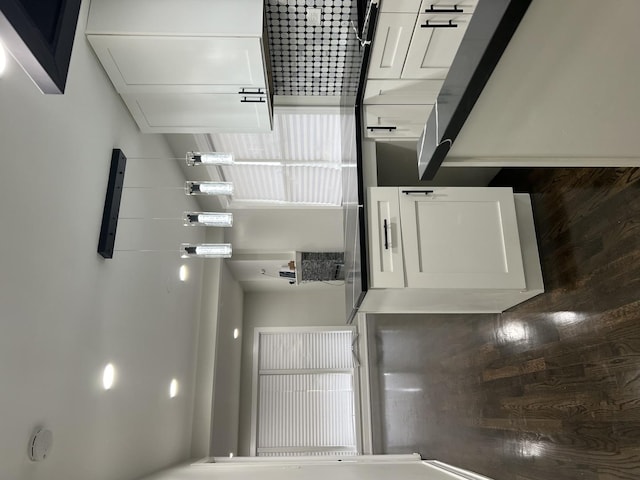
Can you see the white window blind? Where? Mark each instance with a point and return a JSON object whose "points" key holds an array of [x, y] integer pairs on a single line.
{"points": [[306, 394], [298, 163]]}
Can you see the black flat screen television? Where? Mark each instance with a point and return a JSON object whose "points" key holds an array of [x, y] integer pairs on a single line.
{"points": [[39, 34]]}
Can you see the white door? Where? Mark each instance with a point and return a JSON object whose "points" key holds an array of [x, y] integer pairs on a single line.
{"points": [[154, 64], [434, 45], [199, 113], [461, 238], [390, 44], [385, 242]]}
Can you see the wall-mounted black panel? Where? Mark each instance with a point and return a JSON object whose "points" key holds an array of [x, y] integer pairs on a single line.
{"points": [[492, 25], [112, 204]]}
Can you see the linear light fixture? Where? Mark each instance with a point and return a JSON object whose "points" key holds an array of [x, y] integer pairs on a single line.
{"points": [[209, 188], [209, 158], [208, 219], [206, 250]]}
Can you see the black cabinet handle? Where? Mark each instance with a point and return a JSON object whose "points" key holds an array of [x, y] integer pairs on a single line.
{"points": [[449, 24], [245, 91], [252, 100], [432, 9], [417, 192], [391, 129], [386, 239]]}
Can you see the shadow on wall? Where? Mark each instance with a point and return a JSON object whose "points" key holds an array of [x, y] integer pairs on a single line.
{"points": [[397, 164]]}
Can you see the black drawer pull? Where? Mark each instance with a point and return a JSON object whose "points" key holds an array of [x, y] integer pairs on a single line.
{"points": [[417, 192], [432, 9], [386, 239], [449, 24], [252, 100], [390, 129], [245, 91]]}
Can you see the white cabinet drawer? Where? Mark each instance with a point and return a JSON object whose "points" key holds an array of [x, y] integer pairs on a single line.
{"points": [[199, 112], [154, 64], [390, 44], [461, 238], [402, 92], [400, 6], [396, 121], [461, 6], [385, 240], [434, 44]]}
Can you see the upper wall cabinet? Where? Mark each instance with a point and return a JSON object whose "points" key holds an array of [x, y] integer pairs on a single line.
{"points": [[190, 67]]}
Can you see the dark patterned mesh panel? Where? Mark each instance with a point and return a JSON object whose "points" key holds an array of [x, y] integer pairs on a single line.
{"points": [[307, 60]]}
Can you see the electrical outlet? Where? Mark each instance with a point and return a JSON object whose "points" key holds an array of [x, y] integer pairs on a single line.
{"points": [[314, 17]]}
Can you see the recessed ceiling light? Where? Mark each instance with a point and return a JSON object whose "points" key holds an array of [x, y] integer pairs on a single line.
{"points": [[183, 273], [236, 333], [3, 59], [108, 376], [173, 388]]}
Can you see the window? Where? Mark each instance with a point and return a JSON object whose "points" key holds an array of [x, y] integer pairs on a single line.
{"points": [[304, 392]]}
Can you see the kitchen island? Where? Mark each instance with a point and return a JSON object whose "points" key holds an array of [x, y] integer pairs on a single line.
{"points": [[450, 250]]}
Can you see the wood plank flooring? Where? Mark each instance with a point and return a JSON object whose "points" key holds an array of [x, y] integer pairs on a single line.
{"points": [[551, 388]]}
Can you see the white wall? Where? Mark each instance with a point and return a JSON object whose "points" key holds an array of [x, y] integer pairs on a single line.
{"points": [[414, 470], [204, 371], [284, 229], [281, 309], [65, 311], [567, 86], [226, 395]]}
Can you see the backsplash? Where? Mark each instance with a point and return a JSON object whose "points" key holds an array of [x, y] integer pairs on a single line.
{"points": [[307, 60]]}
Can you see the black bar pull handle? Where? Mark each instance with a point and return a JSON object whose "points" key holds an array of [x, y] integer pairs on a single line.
{"points": [[432, 9], [449, 24], [252, 100], [417, 192], [390, 129], [385, 226], [248, 91]]}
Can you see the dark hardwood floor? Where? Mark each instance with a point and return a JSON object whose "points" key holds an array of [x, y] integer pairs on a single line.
{"points": [[551, 388]]}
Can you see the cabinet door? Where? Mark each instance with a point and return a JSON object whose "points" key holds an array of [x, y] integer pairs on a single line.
{"points": [[396, 121], [199, 113], [158, 64], [390, 44], [461, 238], [385, 242], [460, 6], [435, 41], [404, 6], [402, 92]]}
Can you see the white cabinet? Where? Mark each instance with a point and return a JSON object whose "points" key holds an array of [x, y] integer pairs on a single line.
{"points": [[390, 44], [402, 92], [434, 44], [159, 64], [461, 238], [199, 112], [450, 250], [414, 45], [385, 245], [395, 121], [187, 67]]}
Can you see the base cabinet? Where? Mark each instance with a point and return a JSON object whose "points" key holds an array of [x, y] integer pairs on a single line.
{"points": [[463, 250], [461, 238]]}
